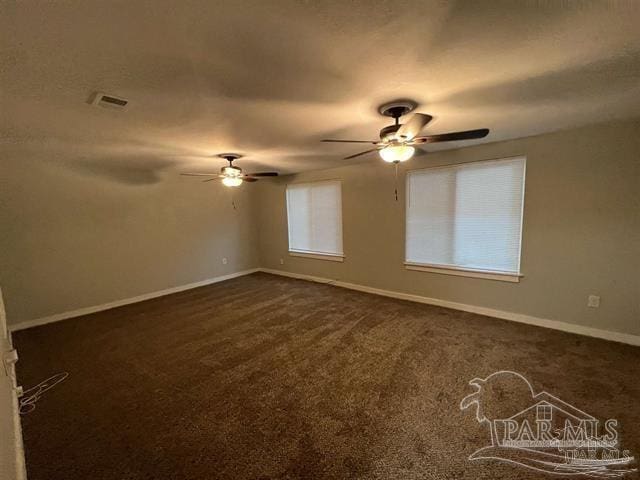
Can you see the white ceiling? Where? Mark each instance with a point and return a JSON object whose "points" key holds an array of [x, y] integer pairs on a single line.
{"points": [[271, 78]]}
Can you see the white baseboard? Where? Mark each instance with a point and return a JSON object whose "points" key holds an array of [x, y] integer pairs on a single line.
{"points": [[490, 312], [126, 301]]}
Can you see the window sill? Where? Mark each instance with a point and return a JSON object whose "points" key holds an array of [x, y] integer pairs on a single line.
{"points": [[465, 272], [318, 256]]}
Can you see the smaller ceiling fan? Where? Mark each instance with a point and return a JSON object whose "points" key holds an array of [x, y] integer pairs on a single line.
{"points": [[397, 141], [231, 175]]}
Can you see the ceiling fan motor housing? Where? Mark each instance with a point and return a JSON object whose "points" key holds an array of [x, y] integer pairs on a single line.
{"points": [[388, 134], [231, 171], [395, 110]]}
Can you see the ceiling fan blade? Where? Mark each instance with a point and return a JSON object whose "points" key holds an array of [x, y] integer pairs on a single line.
{"points": [[200, 174], [249, 179], [413, 127], [263, 174], [361, 153], [210, 180], [449, 137], [350, 141]]}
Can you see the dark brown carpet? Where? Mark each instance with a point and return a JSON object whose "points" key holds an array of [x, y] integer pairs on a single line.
{"points": [[264, 377]]}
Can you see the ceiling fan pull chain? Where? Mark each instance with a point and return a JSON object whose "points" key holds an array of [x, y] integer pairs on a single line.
{"points": [[396, 184]]}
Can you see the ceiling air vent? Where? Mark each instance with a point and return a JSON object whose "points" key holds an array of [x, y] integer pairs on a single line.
{"points": [[109, 101]]}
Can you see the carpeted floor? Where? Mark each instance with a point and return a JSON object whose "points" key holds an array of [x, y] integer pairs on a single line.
{"points": [[265, 377]]}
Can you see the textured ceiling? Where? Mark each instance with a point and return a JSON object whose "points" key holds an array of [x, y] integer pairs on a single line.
{"points": [[271, 78]]}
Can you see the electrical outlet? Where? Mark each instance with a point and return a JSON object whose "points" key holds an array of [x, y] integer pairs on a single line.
{"points": [[593, 301], [282, 261], [224, 261]]}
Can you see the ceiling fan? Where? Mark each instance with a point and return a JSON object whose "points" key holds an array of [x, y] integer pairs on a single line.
{"points": [[231, 175], [397, 142]]}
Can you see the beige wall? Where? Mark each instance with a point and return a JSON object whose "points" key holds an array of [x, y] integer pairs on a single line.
{"points": [[581, 232], [76, 237]]}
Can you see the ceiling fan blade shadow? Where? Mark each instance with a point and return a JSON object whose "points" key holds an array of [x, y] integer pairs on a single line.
{"points": [[413, 127], [263, 174], [453, 136], [200, 174], [361, 153]]}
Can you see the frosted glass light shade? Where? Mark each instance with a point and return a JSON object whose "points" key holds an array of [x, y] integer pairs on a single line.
{"points": [[232, 181], [397, 153]]}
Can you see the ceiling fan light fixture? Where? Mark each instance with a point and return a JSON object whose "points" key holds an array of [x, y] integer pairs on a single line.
{"points": [[397, 153], [232, 181], [231, 171]]}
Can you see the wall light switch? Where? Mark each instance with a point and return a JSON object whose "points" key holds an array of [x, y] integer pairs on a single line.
{"points": [[224, 261], [593, 301], [282, 261]]}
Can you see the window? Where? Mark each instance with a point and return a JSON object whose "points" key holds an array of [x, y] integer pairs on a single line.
{"points": [[544, 413], [466, 219], [314, 213]]}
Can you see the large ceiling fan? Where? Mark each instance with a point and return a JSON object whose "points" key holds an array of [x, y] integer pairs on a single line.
{"points": [[398, 141], [231, 175]]}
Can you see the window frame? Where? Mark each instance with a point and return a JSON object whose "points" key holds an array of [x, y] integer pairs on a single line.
{"points": [[544, 412], [458, 270], [334, 257]]}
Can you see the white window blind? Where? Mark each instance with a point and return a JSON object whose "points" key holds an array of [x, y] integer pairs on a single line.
{"points": [[314, 213], [467, 216]]}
